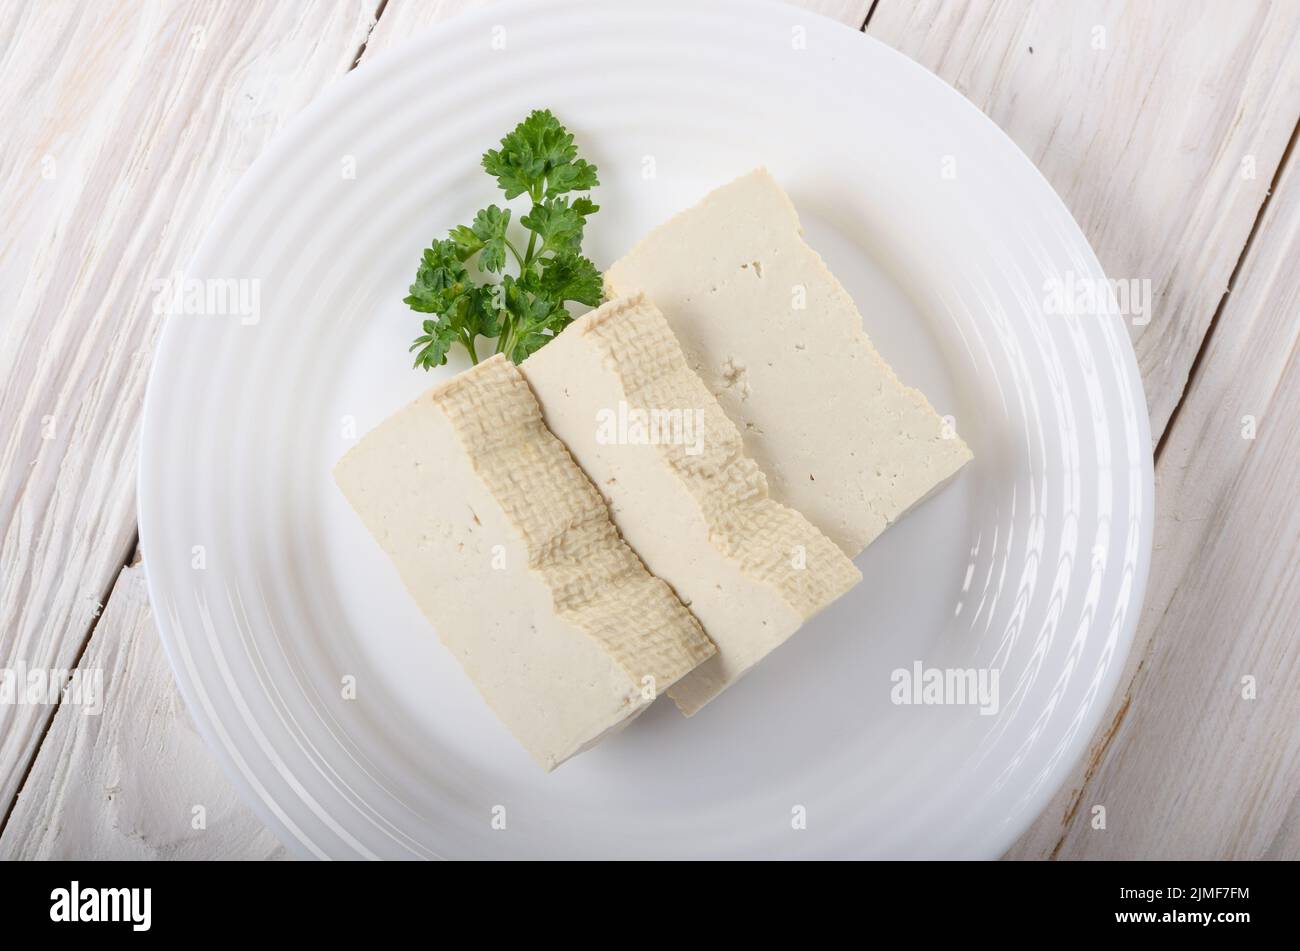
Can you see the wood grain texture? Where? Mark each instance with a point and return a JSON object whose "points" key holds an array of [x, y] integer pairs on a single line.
{"points": [[126, 784], [126, 125], [402, 19], [129, 783], [102, 201], [146, 125], [1188, 766], [849, 12], [1286, 844], [1162, 141]]}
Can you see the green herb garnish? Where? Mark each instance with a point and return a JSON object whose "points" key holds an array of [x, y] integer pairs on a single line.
{"points": [[523, 311]]}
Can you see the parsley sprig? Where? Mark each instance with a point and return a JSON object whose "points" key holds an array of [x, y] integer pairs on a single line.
{"points": [[522, 311]]}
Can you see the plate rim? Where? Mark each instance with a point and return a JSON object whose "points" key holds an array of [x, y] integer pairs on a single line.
{"points": [[318, 110]]}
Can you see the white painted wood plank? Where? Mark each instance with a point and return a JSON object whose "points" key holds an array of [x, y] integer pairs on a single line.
{"points": [[416, 14], [1286, 844], [133, 781], [1180, 220], [1187, 766], [849, 12], [71, 805], [126, 124], [1160, 123], [404, 18]]}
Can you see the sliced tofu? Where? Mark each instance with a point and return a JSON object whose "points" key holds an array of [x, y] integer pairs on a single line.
{"points": [[511, 554], [779, 342], [615, 387]]}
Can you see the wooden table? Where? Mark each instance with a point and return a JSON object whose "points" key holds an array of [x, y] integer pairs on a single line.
{"points": [[1167, 126]]}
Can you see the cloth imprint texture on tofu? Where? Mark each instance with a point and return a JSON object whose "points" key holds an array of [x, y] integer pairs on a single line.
{"points": [[511, 555], [598, 582], [780, 343], [693, 505], [745, 522]]}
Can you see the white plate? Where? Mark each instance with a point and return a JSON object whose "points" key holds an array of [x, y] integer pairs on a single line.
{"points": [[1033, 562]]}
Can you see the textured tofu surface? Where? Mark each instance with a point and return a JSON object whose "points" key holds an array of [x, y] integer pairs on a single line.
{"points": [[511, 554], [779, 342], [682, 490]]}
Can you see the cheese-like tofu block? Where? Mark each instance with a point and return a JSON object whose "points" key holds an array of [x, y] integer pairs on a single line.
{"points": [[615, 387], [511, 554], [778, 340]]}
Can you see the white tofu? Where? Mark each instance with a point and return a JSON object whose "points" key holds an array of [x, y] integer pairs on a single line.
{"points": [[681, 489], [510, 553], [840, 438]]}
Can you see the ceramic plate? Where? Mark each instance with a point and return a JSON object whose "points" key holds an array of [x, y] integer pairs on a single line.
{"points": [[311, 672]]}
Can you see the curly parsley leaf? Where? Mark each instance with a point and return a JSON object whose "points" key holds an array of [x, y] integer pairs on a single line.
{"points": [[490, 227], [571, 277], [463, 309], [433, 344], [538, 158], [558, 223], [577, 175], [440, 278]]}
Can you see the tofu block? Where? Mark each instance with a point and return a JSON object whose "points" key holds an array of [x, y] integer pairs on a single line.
{"points": [[511, 554], [615, 388], [779, 342]]}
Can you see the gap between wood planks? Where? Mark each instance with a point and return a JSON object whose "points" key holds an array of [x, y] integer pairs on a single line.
{"points": [[1232, 282], [130, 557], [383, 5], [1094, 759], [866, 22], [132, 552], [361, 50], [1095, 756], [133, 555]]}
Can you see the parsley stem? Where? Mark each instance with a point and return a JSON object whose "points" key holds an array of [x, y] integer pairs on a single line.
{"points": [[515, 253], [469, 345], [536, 195]]}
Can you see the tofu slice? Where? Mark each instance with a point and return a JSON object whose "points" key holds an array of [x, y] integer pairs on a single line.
{"points": [[682, 491], [780, 343], [511, 554]]}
